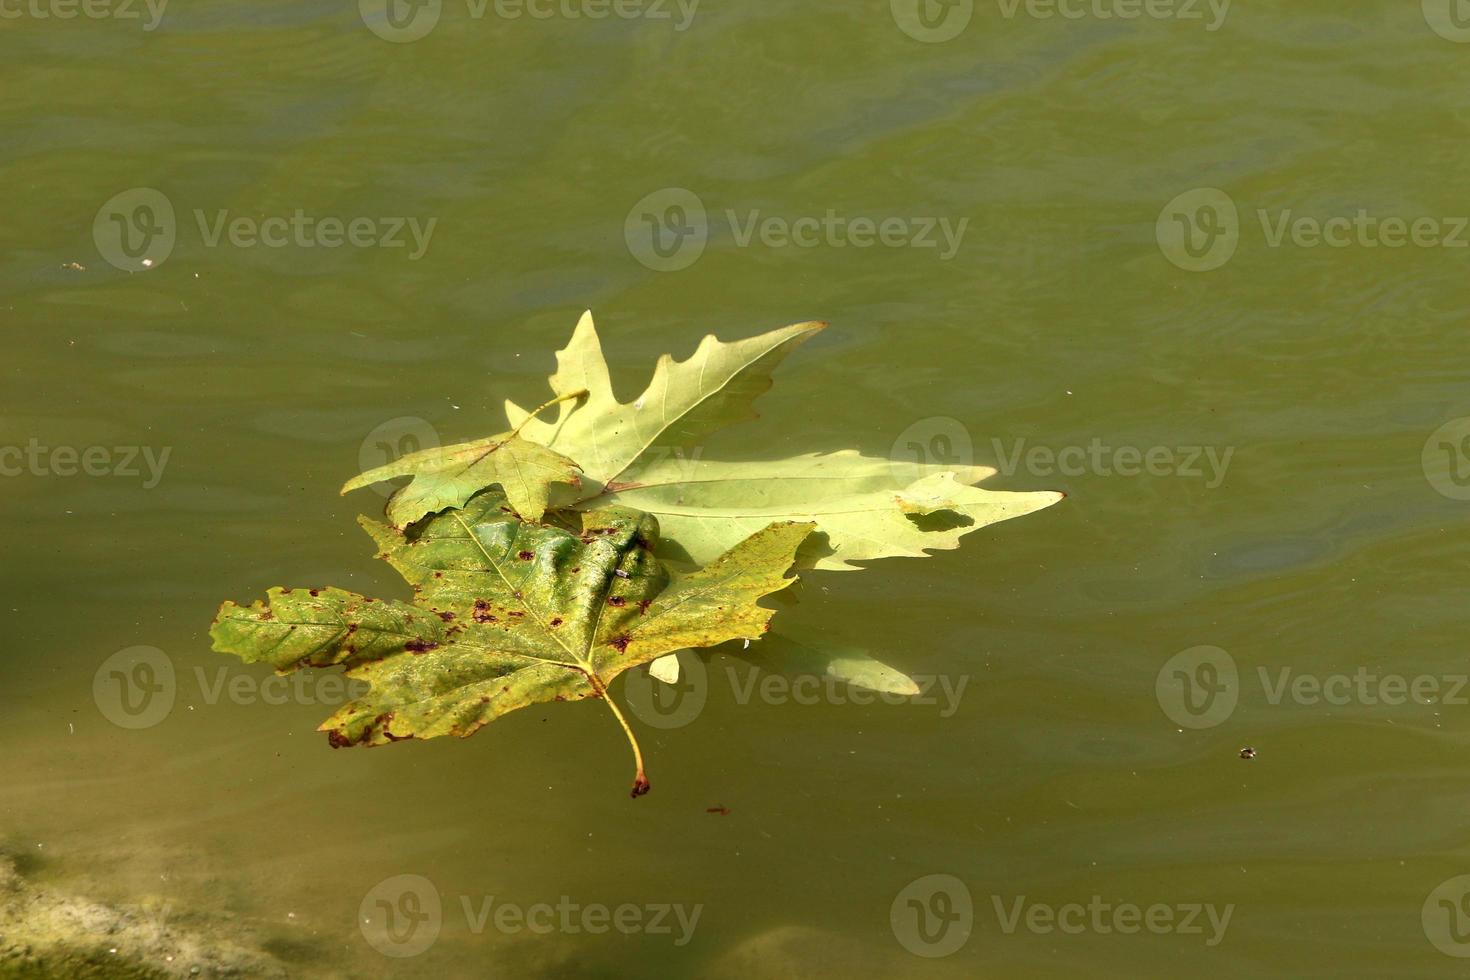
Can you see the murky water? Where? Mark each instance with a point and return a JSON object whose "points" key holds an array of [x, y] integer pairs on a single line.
{"points": [[1242, 390]]}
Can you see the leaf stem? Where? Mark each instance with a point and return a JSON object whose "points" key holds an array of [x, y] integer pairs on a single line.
{"points": [[640, 779], [541, 408]]}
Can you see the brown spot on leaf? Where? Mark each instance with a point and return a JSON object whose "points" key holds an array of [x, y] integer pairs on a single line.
{"points": [[525, 555], [617, 601], [556, 621], [420, 646], [643, 605], [447, 616], [315, 593], [621, 643]]}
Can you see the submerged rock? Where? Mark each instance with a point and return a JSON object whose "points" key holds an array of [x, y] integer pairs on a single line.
{"points": [[45, 934]]}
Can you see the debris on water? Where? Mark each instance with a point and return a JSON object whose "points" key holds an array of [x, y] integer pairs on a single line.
{"points": [[1247, 753], [721, 810]]}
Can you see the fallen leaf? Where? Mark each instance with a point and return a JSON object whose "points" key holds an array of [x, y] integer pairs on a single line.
{"points": [[711, 389], [447, 476], [862, 505], [508, 613]]}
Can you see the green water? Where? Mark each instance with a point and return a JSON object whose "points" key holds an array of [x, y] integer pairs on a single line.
{"points": [[1069, 315]]}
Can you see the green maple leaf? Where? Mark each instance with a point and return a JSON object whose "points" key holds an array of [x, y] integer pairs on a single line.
{"points": [[864, 508], [447, 476], [713, 388], [508, 613]]}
